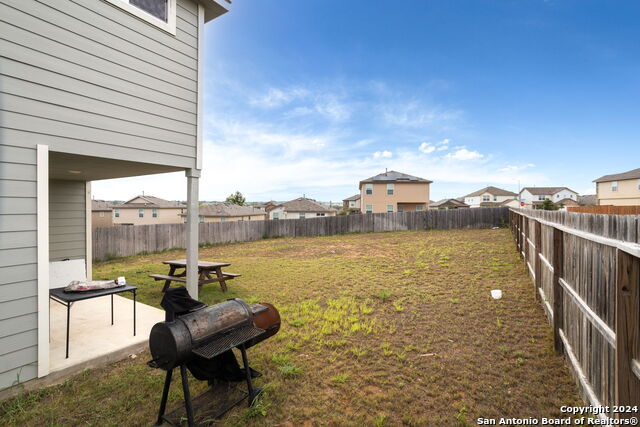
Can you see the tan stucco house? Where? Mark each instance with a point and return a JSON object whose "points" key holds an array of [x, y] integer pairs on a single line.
{"points": [[620, 189], [393, 191], [147, 210], [489, 196], [300, 208], [101, 213], [225, 211], [351, 204]]}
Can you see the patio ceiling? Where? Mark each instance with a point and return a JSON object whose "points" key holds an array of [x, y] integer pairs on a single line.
{"points": [[86, 168]]}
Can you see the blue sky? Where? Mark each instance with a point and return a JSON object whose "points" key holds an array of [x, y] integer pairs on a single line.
{"points": [[309, 97]]}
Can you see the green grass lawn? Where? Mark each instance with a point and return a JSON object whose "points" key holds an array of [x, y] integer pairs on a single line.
{"points": [[378, 329]]}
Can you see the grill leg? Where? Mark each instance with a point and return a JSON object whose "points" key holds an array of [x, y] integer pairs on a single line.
{"points": [[165, 395], [187, 395], [253, 392]]}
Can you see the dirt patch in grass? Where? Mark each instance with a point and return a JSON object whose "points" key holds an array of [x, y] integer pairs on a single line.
{"points": [[378, 329]]}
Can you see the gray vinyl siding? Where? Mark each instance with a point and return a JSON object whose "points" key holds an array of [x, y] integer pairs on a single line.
{"points": [[85, 77], [18, 264], [67, 217]]}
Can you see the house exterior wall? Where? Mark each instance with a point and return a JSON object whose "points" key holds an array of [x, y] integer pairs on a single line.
{"points": [[308, 215], [18, 264], [628, 193], [102, 221], [474, 202], [351, 204], [564, 194], [529, 198], [235, 218], [67, 216], [165, 216], [85, 77], [404, 193]]}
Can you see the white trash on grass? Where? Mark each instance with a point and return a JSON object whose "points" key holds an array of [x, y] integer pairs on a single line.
{"points": [[496, 293]]}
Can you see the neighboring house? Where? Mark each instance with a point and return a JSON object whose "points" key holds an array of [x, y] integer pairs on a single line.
{"points": [[489, 196], [90, 90], [511, 203], [620, 189], [588, 200], [101, 213], [300, 208], [351, 204], [147, 210], [533, 197], [448, 204], [225, 211], [393, 191]]}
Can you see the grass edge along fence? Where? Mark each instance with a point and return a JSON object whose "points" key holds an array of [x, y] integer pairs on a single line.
{"points": [[586, 272], [126, 240]]}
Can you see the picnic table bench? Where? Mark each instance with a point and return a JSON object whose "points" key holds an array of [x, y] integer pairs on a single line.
{"points": [[205, 271]]}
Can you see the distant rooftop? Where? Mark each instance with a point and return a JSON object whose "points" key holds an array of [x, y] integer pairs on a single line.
{"points": [[226, 209], [454, 202], [542, 191], [355, 197], [302, 204], [632, 174], [494, 191], [393, 176], [150, 202], [101, 205]]}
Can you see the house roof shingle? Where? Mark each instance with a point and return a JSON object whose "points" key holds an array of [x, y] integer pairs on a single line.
{"points": [[632, 174], [150, 202], [588, 200], [348, 199], [302, 204], [454, 202], [101, 206], [543, 191], [393, 176], [226, 209], [494, 191]]}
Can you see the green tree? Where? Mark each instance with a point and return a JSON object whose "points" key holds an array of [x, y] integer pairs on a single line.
{"points": [[236, 198], [548, 205]]}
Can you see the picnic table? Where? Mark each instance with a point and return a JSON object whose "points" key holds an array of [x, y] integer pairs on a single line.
{"points": [[68, 298], [206, 270]]}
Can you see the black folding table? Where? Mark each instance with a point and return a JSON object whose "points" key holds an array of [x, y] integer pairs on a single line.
{"points": [[68, 298]]}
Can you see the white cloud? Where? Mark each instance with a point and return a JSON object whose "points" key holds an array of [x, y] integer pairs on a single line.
{"points": [[427, 148], [443, 145], [514, 168], [462, 153], [416, 115], [276, 97], [382, 154]]}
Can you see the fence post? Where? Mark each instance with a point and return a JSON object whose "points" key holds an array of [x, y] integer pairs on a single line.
{"points": [[526, 244], [538, 261], [558, 292], [627, 382]]}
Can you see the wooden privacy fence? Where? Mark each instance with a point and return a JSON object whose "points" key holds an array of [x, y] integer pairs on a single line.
{"points": [[586, 271], [135, 239], [606, 210]]}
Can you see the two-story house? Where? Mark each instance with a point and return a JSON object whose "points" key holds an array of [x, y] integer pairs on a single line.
{"points": [[489, 196], [620, 189], [300, 208], [534, 197], [101, 213], [147, 210], [448, 204], [89, 90], [393, 191], [351, 204]]}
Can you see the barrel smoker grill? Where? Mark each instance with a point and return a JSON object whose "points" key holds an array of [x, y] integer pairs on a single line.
{"points": [[202, 341]]}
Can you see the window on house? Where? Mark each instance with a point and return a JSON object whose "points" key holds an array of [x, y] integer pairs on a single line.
{"points": [[495, 198], [352, 204], [389, 208], [369, 209], [116, 213], [154, 213], [276, 215], [223, 219], [614, 186], [161, 13], [200, 219], [320, 214], [542, 197], [419, 207], [368, 188], [140, 213], [557, 196], [390, 188], [400, 208], [302, 215], [101, 214], [485, 198], [639, 184]]}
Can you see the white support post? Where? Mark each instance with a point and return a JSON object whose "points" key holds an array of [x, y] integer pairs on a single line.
{"points": [[42, 194], [193, 177], [88, 233]]}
